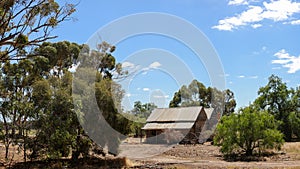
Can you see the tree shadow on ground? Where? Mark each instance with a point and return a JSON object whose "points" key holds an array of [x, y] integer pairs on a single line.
{"points": [[87, 163]]}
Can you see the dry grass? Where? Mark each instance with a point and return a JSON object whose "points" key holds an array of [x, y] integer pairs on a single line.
{"points": [[292, 149]]}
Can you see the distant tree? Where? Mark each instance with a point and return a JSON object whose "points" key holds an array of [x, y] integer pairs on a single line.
{"points": [[196, 94], [294, 117], [143, 110], [294, 120], [279, 100], [248, 132], [25, 24]]}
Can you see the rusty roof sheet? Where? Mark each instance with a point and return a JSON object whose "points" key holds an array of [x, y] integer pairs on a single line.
{"points": [[183, 114], [178, 125]]}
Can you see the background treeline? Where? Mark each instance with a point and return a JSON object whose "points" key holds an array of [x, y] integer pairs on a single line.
{"points": [[274, 117]]}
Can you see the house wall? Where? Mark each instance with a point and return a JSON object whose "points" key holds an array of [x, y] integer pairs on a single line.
{"points": [[167, 136], [194, 133]]}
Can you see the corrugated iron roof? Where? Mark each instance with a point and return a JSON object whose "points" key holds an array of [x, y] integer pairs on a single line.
{"points": [[178, 125], [183, 114], [209, 112]]}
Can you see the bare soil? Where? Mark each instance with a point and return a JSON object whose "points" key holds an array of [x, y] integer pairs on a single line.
{"points": [[206, 156], [135, 154]]}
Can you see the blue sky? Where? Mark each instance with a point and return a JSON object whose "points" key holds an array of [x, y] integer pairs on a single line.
{"points": [[253, 39]]}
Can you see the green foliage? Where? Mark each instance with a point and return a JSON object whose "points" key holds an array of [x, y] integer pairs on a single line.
{"points": [[16, 101], [27, 23], [143, 111], [280, 101], [57, 124], [105, 93], [196, 94], [294, 120], [247, 132], [136, 118], [61, 55], [34, 96]]}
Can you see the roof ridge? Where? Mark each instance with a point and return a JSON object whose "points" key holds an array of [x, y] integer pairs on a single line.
{"points": [[180, 107]]}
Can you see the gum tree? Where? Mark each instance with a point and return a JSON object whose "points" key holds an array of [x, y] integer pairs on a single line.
{"points": [[24, 24], [280, 101]]}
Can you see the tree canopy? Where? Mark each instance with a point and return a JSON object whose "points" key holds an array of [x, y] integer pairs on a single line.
{"points": [[247, 132], [197, 94], [282, 102], [36, 94], [24, 24]]}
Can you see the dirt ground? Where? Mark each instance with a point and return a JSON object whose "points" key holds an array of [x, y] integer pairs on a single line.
{"points": [[138, 155], [203, 156]]}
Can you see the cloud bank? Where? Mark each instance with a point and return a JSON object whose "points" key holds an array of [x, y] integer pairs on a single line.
{"points": [[276, 11]]}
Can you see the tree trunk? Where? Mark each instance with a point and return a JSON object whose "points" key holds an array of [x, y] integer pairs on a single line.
{"points": [[24, 144], [6, 151], [76, 151], [6, 136], [249, 152]]}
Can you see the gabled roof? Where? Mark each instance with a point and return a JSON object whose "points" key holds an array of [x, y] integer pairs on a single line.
{"points": [[187, 114], [209, 112], [173, 118]]}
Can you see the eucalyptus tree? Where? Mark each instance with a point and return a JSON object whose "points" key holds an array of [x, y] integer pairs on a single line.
{"points": [[24, 24], [280, 101], [16, 101], [197, 94]]}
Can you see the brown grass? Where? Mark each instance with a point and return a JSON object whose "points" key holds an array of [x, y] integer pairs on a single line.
{"points": [[292, 149]]}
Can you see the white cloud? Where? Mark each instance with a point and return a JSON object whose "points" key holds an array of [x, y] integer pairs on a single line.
{"points": [[154, 65], [263, 50], [253, 77], [276, 68], [224, 75], [247, 77], [280, 10], [128, 65], [287, 61], [238, 2], [256, 26], [252, 15], [146, 89], [294, 22], [161, 96]]}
